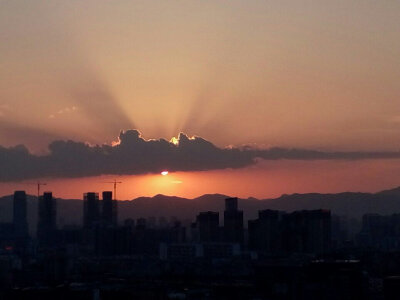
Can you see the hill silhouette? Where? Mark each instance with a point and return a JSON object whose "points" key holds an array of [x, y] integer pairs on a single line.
{"points": [[351, 204]]}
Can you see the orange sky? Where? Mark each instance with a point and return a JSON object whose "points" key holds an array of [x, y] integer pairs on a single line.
{"points": [[312, 74], [267, 179]]}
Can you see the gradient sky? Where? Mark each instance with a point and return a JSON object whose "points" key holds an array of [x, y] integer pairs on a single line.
{"points": [[320, 75]]}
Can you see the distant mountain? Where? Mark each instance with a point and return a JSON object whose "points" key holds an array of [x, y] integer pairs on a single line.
{"points": [[350, 204], [393, 192]]}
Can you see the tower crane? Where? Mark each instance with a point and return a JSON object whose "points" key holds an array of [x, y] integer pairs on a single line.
{"points": [[115, 182]]}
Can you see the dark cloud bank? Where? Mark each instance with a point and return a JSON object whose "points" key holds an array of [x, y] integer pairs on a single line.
{"points": [[135, 155]]}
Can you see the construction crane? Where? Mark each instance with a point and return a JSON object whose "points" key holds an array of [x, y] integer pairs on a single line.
{"points": [[39, 184], [115, 182]]}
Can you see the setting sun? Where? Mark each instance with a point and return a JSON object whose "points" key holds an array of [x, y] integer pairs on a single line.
{"points": [[164, 173], [174, 141]]}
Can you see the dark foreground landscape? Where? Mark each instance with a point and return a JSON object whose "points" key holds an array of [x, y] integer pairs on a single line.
{"points": [[301, 246]]}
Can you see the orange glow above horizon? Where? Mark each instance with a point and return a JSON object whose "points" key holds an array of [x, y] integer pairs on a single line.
{"points": [[264, 180]]}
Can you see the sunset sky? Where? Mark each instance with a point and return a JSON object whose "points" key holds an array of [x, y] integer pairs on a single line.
{"points": [[317, 75]]}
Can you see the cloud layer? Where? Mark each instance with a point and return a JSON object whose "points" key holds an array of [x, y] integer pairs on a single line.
{"points": [[133, 154]]}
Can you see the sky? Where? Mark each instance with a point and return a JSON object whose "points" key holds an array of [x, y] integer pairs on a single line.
{"points": [[317, 75]]}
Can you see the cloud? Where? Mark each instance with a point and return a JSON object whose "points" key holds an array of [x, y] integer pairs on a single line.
{"points": [[12, 133], [132, 154], [65, 110]]}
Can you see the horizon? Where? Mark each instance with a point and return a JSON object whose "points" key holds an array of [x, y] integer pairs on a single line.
{"points": [[291, 106], [33, 195]]}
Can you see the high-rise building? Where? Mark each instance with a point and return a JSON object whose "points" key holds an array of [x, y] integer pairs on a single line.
{"points": [[380, 232], [231, 204], [208, 226], [265, 232], [109, 209], [270, 230], [307, 231], [233, 222], [47, 222], [91, 209], [20, 214], [319, 232], [253, 230]]}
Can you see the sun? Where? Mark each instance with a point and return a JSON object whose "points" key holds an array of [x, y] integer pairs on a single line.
{"points": [[174, 141], [164, 173]]}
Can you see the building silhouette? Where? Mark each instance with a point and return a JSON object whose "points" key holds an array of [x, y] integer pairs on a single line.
{"points": [[380, 232], [265, 232], [307, 231], [231, 204], [233, 221], [289, 255], [208, 226], [20, 214], [47, 222], [91, 209], [109, 212]]}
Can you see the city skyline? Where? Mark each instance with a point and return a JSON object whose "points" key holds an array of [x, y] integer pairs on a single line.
{"points": [[169, 149], [309, 251]]}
